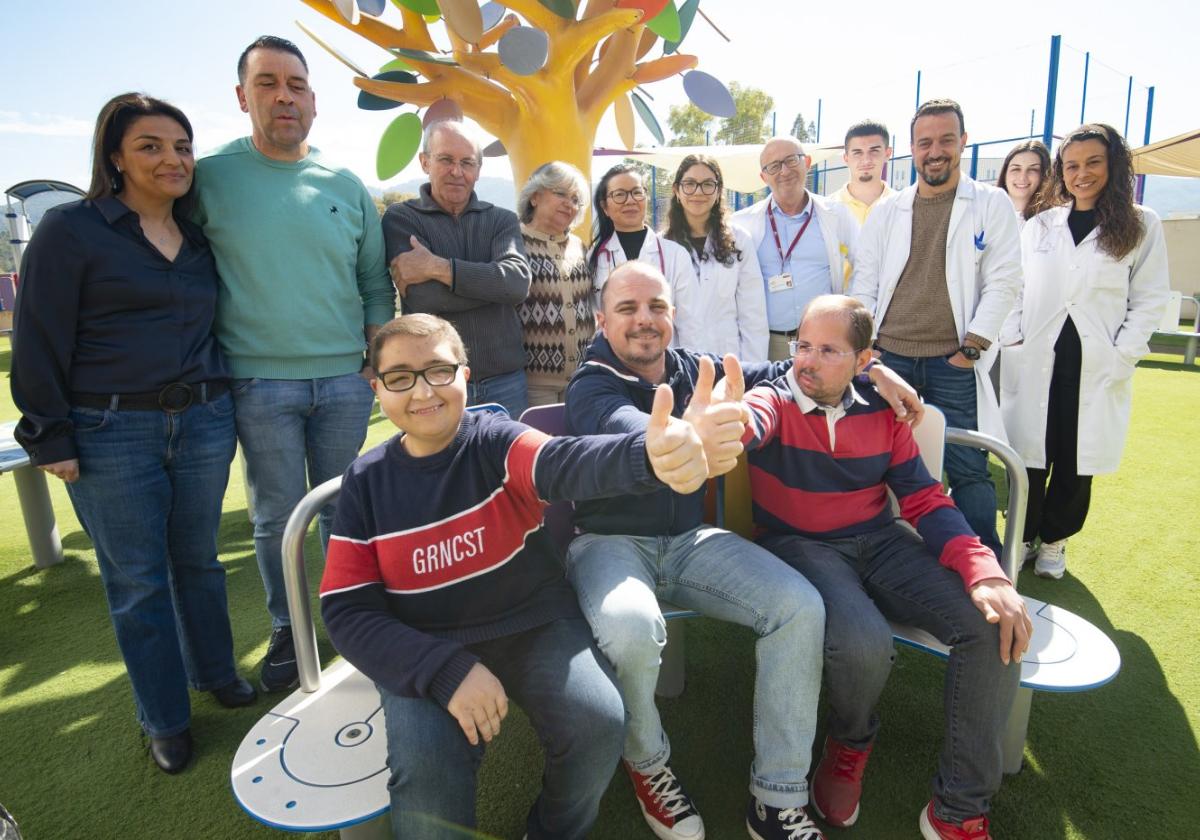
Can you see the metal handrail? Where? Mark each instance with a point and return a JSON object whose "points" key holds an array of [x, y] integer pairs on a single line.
{"points": [[1018, 492]]}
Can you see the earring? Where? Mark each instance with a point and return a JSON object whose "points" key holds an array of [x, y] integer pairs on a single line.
{"points": [[117, 181]]}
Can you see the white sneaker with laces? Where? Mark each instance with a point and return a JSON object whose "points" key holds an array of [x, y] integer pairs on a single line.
{"points": [[1031, 552], [1051, 560], [667, 808]]}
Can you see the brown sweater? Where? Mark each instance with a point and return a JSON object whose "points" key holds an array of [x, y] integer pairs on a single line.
{"points": [[919, 321], [557, 316]]}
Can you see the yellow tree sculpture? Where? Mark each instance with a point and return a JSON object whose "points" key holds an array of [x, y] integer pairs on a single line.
{"points": [[593, 62]]}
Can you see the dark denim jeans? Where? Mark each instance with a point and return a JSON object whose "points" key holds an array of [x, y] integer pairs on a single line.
{"points": [[566, 689], [952, 389], [889, 574], [295, 434], [508, 389], [149, 495]]}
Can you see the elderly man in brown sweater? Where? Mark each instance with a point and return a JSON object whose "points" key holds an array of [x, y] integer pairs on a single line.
{"points": [[939, 266]]}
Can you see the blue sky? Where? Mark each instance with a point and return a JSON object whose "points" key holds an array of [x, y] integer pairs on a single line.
{"points": [[63, 59]]}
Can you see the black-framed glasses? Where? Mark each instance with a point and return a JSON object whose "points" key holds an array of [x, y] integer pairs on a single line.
{"points": [[707, 187], [827, 355], [404, 380], [791, 162], [623, 196]]}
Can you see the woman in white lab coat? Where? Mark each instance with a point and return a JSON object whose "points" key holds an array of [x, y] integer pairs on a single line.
{"points": [[1025, 177], [1095, 285], [621, 234], [731, 303]]}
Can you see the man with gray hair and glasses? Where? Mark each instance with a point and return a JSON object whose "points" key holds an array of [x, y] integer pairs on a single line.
{"points": [[455, 256], [802, 240]]}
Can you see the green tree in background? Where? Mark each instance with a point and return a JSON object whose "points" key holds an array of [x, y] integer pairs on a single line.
{"points": [[805, 132], [749, 124], [689, 125]]}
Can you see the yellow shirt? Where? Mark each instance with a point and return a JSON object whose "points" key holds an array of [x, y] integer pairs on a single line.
{"points": [[860, 209]]}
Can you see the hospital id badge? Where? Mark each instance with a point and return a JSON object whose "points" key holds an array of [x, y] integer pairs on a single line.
{"points": [[780, 282]]}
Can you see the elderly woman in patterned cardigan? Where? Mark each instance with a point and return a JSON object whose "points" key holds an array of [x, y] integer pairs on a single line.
{"points": [[557, 315]]}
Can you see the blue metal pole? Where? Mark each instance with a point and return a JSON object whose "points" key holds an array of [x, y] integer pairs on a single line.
{"points": [[1032, 115], [1087, 60], [1141, 179], [774, 133], [1128, 102], [974, 160], [912, 167], [1051, 89], [654, 196], [817, 139]]}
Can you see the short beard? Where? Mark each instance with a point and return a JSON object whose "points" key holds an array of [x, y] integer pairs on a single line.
{"points": [[866, 179], [936, 181]]}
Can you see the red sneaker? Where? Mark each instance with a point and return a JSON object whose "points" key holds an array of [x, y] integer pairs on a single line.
{"points": [[666, 806], [837, 784], [933, 828]]}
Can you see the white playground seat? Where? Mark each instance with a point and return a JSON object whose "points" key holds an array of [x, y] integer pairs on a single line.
{"points": [[1169, 324]]}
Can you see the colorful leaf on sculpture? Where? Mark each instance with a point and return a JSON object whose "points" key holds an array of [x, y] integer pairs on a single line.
{"points": [[661, 68], [374, 8], [562, 8], [666, 24], [443, 109], [650, 9], [421, 55], [398, 64], [463, 18], [648, 118], [687, 14], [347, 9], [421, 7], [648, 40], [398, 145], [371, 102], [709, 94], [332, 51], [494, 149], [623, 112], [492, 14], [524, 50]]}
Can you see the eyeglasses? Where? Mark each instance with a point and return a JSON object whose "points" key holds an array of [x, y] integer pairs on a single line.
{"points": [[827, 355], [708, 187], [466, 164], [570, 198], [791, 162], [623, 196], [404, 380]]}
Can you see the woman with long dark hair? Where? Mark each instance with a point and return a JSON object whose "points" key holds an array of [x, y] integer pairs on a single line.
{"points": [[1095, 286], [731, 303], [1025, 176], [124, 395], [621, 234]]}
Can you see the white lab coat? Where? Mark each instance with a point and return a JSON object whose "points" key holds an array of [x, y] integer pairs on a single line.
{"points": [[732, 304], [839, 230], [676, 264], [983, 271], [1115, 305]]}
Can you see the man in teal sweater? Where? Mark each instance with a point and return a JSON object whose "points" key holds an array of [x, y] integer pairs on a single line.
{"points": [[304, 286]]}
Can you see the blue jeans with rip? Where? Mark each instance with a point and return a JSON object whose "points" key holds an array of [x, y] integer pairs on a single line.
{"points": [[952, 389], [619, 580], [295, 434], [889, 574], [566, 689], [149, 496]]}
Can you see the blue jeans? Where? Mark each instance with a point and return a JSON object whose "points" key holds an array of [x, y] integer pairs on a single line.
{"points": [[566, 689], [889, 574], [718, 574], [295, 434], [149, 495], [952, 389], [508, 389]]}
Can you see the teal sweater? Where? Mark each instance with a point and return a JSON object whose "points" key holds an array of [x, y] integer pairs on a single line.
{"points": [[299, 248]]}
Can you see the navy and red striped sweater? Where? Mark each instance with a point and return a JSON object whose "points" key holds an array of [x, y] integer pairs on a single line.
{"points": [[802, 486], [429, 555]]}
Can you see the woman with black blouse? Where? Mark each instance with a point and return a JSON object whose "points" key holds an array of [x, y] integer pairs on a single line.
{"points": [[124, 396]]}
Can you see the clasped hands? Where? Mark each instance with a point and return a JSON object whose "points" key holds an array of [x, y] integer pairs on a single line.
{"points": [[417, 266], [707, 440]]}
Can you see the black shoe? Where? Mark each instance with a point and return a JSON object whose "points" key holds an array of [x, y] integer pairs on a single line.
{"points": [[766, 823], [173, 752], [235, 694], [279, 665]]}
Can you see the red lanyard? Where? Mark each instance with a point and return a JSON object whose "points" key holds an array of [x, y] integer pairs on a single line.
{"points": [[783, 258], [662, 264]]}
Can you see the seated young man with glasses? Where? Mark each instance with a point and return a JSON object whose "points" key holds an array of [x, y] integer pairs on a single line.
{"points": [[442, 586], [802, 240], [823, 455]]}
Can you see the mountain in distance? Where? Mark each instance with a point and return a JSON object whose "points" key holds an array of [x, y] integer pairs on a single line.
{"points": [[1166, 195], [498, 191]]}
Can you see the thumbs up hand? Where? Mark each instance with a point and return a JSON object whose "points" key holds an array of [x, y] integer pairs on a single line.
{"points": [[675, 450], [718, 415]]}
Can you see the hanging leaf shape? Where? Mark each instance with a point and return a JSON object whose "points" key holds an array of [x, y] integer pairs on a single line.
{"points": [[562, 8], [371, 102], [398, 145], [687, 14], [524, 50], [709, 94], [648, 118], [374, 8], [464, 19], [422, 7], [666, 23], [443, 109], [623, 111]]}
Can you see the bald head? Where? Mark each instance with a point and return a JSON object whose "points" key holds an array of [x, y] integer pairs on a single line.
{"points": [[856, 317], [630, 276], [636, 317], [784, 168]]}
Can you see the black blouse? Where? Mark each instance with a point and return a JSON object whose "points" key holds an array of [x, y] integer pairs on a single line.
{"points": [[100, 310]]}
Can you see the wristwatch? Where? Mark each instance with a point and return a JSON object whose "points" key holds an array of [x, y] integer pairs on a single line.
{"points": [[969, 352]]}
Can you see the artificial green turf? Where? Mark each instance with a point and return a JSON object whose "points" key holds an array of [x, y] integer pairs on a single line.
{"points": [[1118, 762]]}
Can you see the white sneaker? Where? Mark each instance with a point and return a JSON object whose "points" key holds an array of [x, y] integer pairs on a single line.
{"points": [[1030, 554], [666, 806], [1051, 560]]}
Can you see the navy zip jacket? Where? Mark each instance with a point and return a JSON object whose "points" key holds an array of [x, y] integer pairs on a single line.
{"points": [[605, 397], [430, 555]]}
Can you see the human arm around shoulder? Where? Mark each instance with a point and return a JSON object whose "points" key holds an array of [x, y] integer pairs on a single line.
{"points": [[869, 253], [1149, 289], [374, 284], [999, 265]]}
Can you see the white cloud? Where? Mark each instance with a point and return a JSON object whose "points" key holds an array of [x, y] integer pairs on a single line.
{"points": [[45, 125]]}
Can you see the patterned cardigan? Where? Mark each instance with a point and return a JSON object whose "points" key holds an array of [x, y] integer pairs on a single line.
{"points": [[557, 316]]}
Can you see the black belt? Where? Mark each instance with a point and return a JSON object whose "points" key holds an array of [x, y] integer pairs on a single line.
{"points": [[172, 398], [784, 333]]}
